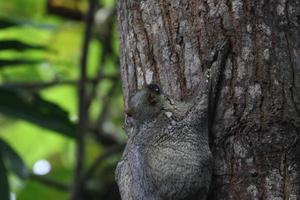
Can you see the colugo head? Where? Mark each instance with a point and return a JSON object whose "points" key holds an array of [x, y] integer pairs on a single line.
{"points": [[146, 103]]}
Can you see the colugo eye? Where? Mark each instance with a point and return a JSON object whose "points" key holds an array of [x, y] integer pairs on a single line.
{"points": [[154, 88]]}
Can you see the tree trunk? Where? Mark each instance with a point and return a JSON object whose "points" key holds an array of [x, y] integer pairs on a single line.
{"points": [[256, 128]]}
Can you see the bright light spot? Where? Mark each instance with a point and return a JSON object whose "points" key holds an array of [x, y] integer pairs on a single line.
{"points": [[74, 118], [13, 196], [41, 167]]}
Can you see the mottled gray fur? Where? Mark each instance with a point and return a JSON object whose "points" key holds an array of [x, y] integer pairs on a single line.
{"points": [[167, 156]]}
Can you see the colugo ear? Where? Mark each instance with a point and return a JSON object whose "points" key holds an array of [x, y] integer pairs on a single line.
{"points": [[151, 99]]}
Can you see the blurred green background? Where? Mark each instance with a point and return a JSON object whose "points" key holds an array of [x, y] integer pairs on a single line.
{"points": [[41, 52]]}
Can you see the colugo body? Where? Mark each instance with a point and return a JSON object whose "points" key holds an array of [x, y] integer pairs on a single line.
{"points": [[167, 156]]}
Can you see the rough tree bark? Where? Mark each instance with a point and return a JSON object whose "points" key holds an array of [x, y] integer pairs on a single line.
{"points": [[256, 128]]}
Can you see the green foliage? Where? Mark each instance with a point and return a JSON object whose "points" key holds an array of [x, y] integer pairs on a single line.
{"points": [[14, 63], [4, 188], [19, 46], [34, 143], [5, 23], [13, 161], [28, 8], [34, 190], [33, 108], [38, 120]]}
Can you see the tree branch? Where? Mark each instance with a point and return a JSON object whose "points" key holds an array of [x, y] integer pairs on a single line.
{"points": [[77, 193], [105, 139], [108, 152], [42, 85], [50, 182]]}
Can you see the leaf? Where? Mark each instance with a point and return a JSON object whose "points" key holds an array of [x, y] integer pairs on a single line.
{"points": [[19, 46], [13, 63], [5, 23], [13, 161], [4, 187], [31, 107]]}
